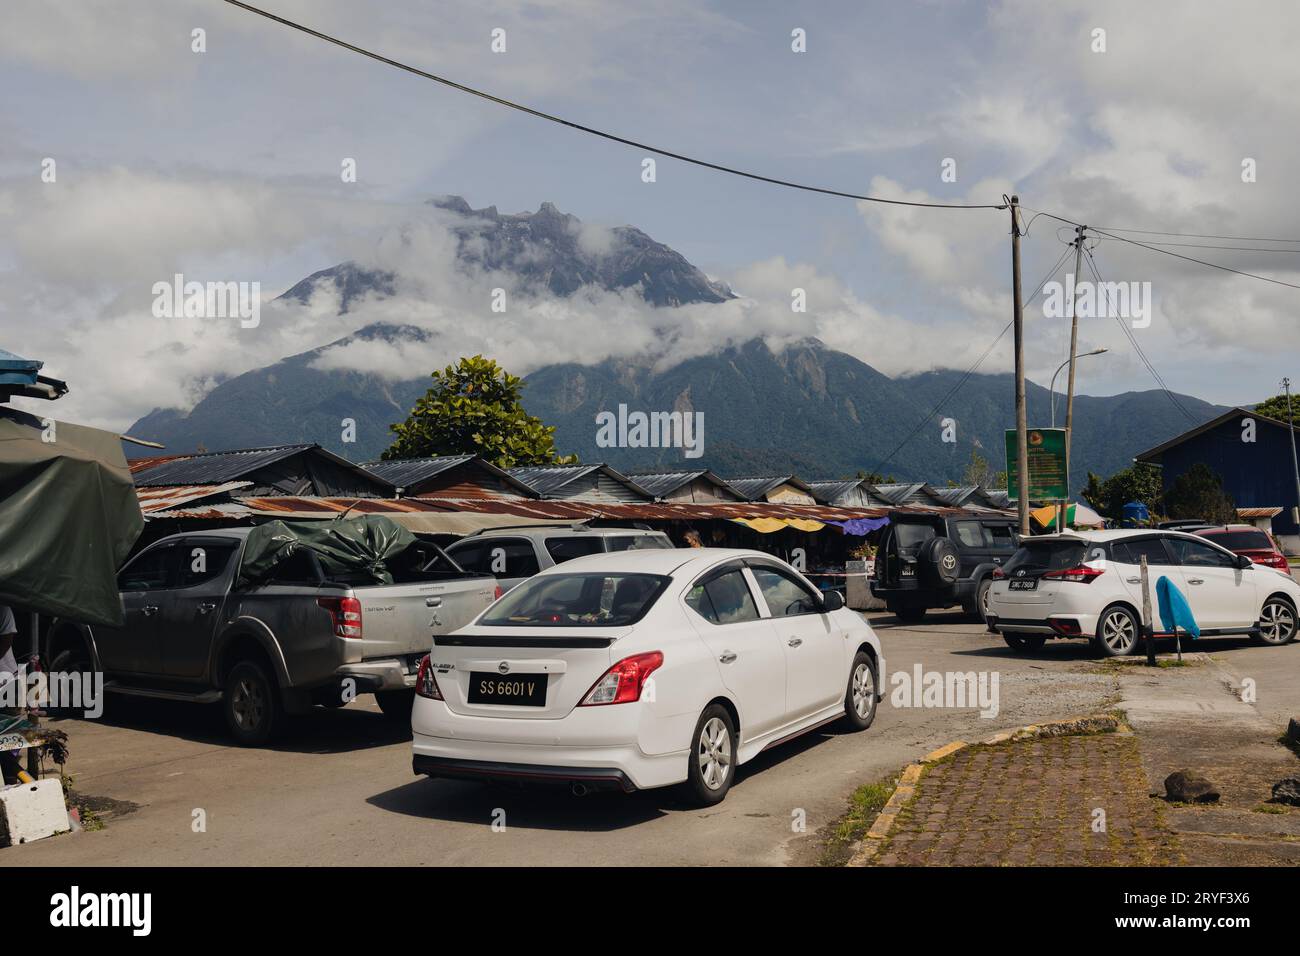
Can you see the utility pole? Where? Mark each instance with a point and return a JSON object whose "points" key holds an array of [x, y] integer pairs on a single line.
{"points": [[1295, 463], [1022, 423], [1074, 347]]}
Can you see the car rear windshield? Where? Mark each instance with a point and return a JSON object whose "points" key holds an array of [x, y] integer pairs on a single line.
{"points": [[639, 542], [912, 535], [1241, 540], [577, 600], [1046, 555]]}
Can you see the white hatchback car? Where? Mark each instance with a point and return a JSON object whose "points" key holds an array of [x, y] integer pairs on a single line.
{"points": [[1088, 584], [643, 669]]}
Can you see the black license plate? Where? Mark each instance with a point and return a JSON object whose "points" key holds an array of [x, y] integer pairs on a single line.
{"points": [[1024, 584], [519, 690]]}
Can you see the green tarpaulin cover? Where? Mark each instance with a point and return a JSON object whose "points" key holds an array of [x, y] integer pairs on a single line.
{"points": [[363, 544], [68, 517]]}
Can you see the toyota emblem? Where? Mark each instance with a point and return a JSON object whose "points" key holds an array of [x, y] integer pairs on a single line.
{"points": [[949, 561], [503, 668]]}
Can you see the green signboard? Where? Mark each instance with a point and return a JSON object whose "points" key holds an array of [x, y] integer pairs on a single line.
{"points": [[1047, 478]]}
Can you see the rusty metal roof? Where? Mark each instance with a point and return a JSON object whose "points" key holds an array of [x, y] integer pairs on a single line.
{"points": [[156, 499]]}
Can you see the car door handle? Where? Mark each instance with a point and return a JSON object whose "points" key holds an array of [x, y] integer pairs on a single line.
{"points": [[206, 606], [726, 657], [1133, 580], [1195, 580], [433, 602], [795, 641], [149, 610]]}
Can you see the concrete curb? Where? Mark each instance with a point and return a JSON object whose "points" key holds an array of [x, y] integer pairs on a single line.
{"points": [[911, 776]]}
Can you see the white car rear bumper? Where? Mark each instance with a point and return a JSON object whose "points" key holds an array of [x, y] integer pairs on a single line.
{"points": [[596, 747]]}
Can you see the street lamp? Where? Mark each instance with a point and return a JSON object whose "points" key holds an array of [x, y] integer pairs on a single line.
{"points": [[1052, 389]]}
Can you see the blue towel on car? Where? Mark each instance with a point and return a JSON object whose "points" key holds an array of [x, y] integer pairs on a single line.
{"points": [[1174, 609]]}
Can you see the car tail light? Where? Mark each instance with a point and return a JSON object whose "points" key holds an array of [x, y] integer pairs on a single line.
{"points": [[1080, 575], [345, 612], [622, 683], [998, 574], [426, 685], [497, 592], [1063, 625]]}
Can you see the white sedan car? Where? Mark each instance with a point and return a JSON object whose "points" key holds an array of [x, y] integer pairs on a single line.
{"points": [[643, 669], [1088, 584]]}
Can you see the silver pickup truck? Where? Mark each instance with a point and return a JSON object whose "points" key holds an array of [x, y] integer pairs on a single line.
{"points": [[194, 630]]}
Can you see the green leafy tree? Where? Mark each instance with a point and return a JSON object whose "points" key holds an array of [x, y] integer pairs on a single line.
{"points": [[1275, 407], [980, 472], [1139, 482], [474, 408], [1198, 493]]}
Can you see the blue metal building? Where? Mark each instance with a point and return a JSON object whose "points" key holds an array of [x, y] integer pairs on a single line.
{"points": [[1251, 453]]}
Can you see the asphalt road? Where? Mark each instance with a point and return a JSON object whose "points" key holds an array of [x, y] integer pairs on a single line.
{"points": [[338, 788]]}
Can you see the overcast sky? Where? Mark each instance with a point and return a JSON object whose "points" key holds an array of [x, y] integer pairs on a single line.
{"points": [[225, 165]]}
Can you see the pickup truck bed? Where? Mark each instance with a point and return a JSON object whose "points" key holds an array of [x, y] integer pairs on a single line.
{"points": [[194, 630]]}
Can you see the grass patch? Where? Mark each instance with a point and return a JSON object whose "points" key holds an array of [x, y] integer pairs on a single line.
{"points": [[847, 832], [1268, 808]]}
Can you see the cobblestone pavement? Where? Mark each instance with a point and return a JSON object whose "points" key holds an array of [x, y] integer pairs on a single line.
{"points": [[1072, 801]]}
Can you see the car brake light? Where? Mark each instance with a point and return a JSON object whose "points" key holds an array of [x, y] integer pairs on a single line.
{"points": [[497, 592], [998, 574], [426, 685], [622, 683], [1080, 575], [345, 612]]}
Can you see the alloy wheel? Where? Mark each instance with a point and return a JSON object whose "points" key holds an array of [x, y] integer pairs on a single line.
{"points": [[714, 753], [248, 704], [1277, 622], [1118, 633], [862, 690]]}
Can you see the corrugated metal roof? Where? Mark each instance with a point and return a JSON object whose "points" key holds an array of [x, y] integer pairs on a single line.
{"points": [[826, 492], [756, 488], [409, 472], [956, 496], [899, 494], [214, 467], [161, 498], [663, 483], [548, 479]]}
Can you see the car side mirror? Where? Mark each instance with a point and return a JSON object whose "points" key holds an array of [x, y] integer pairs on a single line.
{"points": [[1243, 561], [832, 600]]}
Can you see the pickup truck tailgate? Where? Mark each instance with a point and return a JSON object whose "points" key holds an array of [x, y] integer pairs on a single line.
{"points": [[402, 619]]}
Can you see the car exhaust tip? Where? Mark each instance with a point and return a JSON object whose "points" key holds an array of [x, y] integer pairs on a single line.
{"points": [[578, 789]]}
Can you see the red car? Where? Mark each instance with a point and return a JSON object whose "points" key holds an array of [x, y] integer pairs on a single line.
{"points": [[1246, 539]]}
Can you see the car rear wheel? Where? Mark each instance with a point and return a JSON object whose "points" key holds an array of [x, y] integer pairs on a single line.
{"points": [[251, 703], [1024, 642], [860, 698], [712, 765], [1277, 622], [1117, 632]]}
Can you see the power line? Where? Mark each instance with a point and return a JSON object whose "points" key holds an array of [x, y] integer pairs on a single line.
{"points": [[1092, 265], [970, 371], [550, 117], [1176, 255], [1200, 235], [1201, 245]]}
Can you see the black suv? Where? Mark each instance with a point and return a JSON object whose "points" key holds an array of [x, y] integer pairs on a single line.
{"points": [[935, 561]]}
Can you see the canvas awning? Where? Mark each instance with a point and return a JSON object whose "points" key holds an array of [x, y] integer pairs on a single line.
{"points": [[68, 517]]}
